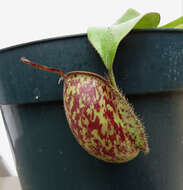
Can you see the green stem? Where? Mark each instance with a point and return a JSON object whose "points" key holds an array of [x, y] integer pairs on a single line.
{"points": [[112, 78]]}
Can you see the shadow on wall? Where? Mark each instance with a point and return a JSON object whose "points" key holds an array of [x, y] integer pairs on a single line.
{"points": [[4, 172], [6, 157]]}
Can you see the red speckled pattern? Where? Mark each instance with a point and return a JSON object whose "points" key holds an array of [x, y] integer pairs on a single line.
{"points": [[101, 119]]}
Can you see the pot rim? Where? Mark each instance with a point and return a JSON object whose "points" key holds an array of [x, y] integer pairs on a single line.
{"points": [[150, 30], [162, 73]]}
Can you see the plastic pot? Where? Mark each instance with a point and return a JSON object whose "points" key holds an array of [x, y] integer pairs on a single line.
{"points": [[148, 68]]}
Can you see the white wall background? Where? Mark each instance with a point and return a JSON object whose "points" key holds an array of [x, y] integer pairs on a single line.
{"points": [[23, 21]]}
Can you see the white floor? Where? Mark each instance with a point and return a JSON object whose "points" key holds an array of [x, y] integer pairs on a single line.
{"points": [[9, 183]]}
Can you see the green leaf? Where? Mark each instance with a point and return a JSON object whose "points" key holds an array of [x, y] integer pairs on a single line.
{"points": [[177, 23], [128, 15], [179, 26], [106, 39]]}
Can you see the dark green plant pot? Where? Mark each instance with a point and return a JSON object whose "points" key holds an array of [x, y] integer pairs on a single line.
{"points": [[149, 70]]}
